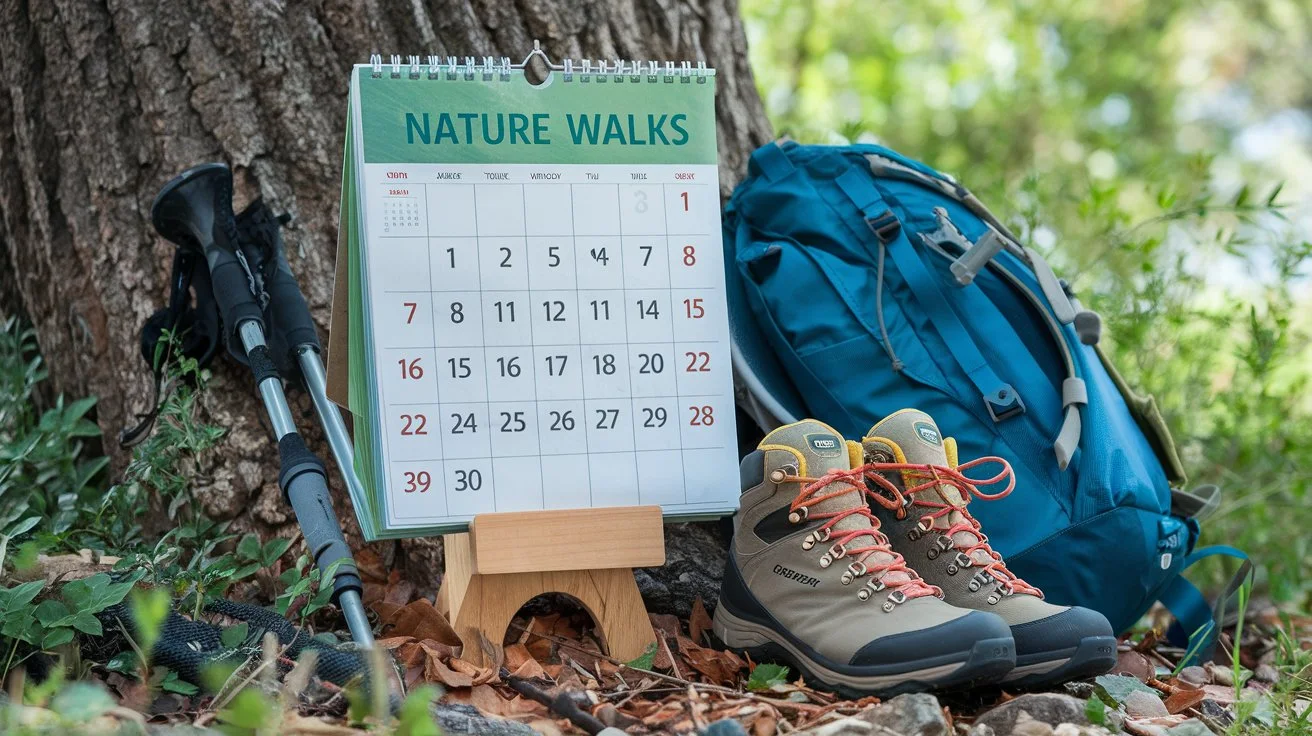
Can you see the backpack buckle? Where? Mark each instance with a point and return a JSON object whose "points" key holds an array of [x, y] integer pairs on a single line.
{"points": [[885, 226], [1004, 403]]}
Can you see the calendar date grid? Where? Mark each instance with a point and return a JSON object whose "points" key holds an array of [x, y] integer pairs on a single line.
{"points": [[601, 258]]}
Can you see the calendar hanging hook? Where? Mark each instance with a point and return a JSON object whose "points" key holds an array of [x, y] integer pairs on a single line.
{"points": [[538, 52]]}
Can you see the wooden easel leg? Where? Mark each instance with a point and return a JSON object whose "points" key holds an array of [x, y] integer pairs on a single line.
{"points": [[459, 569], [483, 613]]}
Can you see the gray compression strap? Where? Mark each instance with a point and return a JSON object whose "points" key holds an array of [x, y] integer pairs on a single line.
{"points": [[1198, 504], [1074, 394]]}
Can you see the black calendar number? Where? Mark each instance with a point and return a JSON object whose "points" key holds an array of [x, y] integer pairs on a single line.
{"points": [[647, 308], [463, 423], [651, 363], [556, 364], [555, 310], [606, 418], [561, 421], [654, 418], [509, 367], [604, 364], [505, 311], [459, 367], [468, 480], [553, 256], [411, 369], [451, 254], [601, 309], [457, 313], [646, 253], [698, 362], [599, 255], [505, 257], [414, 424], [513, 421], [417, 482]]}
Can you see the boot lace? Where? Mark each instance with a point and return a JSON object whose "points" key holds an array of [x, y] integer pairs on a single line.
{"points": [[934, 476], [816, 491]]}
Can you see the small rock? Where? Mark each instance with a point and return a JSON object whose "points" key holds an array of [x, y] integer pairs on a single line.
{"points": [[1050, 708], [460, 718], [980, 729], [1140, 704], [1191, 727], [1027, 726], [1221, 675], [914, 714], [1080, 689], [723, 727], [844, 727], [1266, 673], [1066, 729], [1216, 712], [1193, 677], [1136, 665]]}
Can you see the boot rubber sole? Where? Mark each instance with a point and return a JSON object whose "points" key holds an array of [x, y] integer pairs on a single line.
{"points": [[1094, 655], [984, 661]]}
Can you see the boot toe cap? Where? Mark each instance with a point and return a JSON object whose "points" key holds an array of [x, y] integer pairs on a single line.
{"points": [[944, 642], [1060, 631]]}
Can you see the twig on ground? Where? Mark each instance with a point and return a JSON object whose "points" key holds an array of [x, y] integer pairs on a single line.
{"points": [[561, 704]]}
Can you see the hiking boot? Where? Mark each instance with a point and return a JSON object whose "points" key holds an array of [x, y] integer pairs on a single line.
{"points": [[919, 492], [811, 581]]}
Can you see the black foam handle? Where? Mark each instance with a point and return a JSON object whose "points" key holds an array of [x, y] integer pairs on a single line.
{"points": [[290, 313], [305, 484]]}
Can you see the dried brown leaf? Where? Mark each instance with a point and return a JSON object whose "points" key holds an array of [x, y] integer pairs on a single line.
{"points": [[699, 622]]}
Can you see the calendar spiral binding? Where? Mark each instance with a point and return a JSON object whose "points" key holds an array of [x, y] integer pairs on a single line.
{"points": [[597, 71]]}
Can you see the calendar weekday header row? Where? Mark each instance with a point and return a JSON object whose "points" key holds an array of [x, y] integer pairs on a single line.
{"points": [[399, 175]]}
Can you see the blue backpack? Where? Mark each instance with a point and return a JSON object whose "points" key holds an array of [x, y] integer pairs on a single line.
{"points": [[862, 282]]}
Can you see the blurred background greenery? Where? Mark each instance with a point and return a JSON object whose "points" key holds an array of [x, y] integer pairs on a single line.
{"points": [[1157, 150]]}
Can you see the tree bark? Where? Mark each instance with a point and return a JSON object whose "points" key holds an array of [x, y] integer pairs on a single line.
{"points": [[105, 100]]}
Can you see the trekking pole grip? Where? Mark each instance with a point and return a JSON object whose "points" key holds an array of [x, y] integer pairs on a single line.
{"points": [[305, 483]]}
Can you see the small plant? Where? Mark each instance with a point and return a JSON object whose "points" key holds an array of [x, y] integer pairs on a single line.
{"points": [[28, 627]]}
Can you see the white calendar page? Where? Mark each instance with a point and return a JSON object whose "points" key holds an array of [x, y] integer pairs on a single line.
{"points": [[547, 335]]}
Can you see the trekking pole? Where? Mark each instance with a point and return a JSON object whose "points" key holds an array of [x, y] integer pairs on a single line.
{"points": [[194, 211]]}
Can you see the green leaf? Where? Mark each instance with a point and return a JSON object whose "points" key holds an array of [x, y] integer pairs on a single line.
{"points": [[645, 660], [50, 611], [414, 717], [1096, 711], [87, 623], [170, 682], [275, 548], [766, 676], [149, 609], [249, 547], [15, 598], [251, 709], [81, 701], [124, 663], [1119, 687], [55, 637], [234, 636]]}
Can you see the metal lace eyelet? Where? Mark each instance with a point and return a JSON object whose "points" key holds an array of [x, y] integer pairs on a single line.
{"points": [[798, 516], [777, 476], [826, 560], [915, 534], [863, 594], [994, 598], [838, 551], [925, 524], [895, 598], [854, 571], [959, 563]]}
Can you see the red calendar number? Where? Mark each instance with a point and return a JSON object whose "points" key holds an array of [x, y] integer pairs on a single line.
{"points": [[414, 424], [684, 195], [702, 416], [411, 369], [698, 362], [413, 306], [689, 255], [694, 308], [417, 482]]}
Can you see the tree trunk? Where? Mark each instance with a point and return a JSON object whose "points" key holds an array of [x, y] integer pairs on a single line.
{"points": [[105, 100]]}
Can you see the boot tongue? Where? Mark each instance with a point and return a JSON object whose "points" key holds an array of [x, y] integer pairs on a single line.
{"points": [[915, 433], [822, 450]]}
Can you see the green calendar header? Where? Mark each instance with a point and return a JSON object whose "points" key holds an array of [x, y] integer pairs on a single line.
{"points": [[512, 122]]}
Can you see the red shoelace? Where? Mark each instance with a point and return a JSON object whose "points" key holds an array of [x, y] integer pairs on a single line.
{"points": [[814, 493], [934, 476]]}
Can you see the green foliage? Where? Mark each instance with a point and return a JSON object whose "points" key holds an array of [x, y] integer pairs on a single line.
{"points": [[415, 717], [765, 676], [28, 626], [645, 660], [44, 480], [1141, 146]]}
